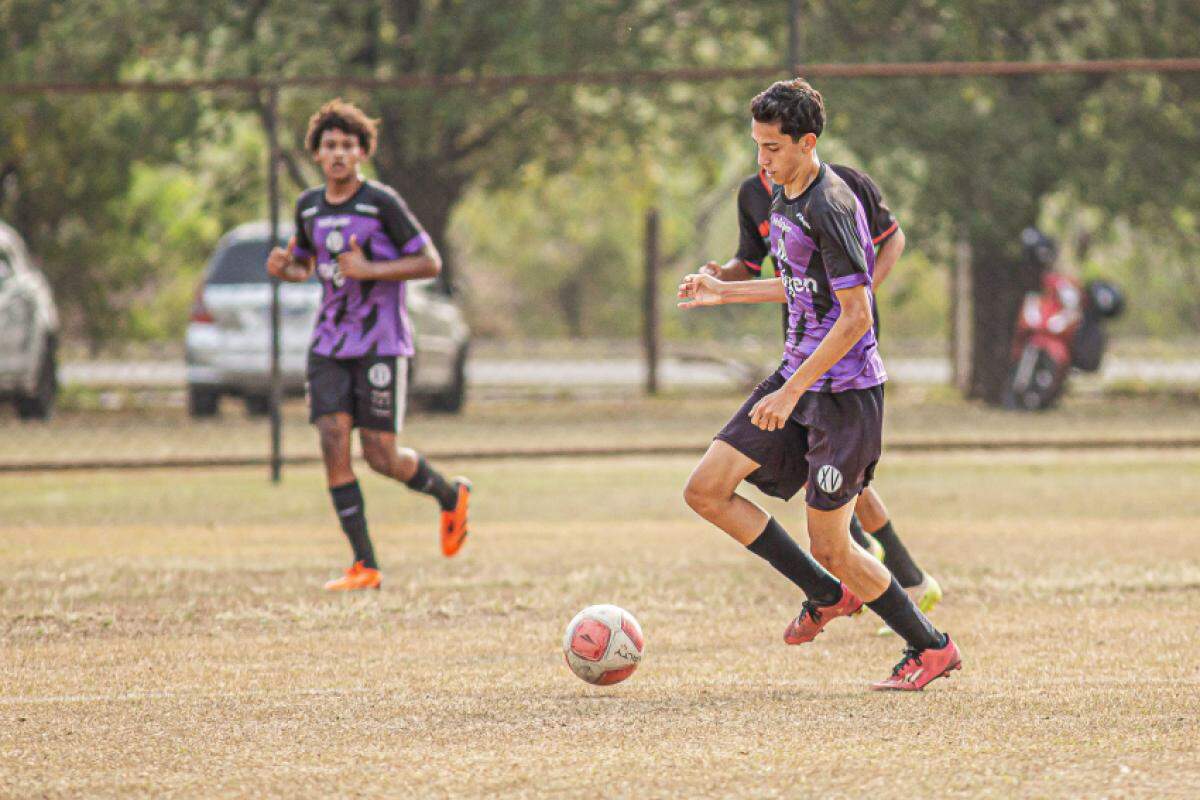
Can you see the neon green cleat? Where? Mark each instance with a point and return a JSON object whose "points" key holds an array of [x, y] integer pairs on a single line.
{"points": [[875, 548], [926, 594]]}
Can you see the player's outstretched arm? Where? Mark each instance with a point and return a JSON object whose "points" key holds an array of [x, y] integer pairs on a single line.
{"points": [[287, 266], [699, 289], [734, 269]]}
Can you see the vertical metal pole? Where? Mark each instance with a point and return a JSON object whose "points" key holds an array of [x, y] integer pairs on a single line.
{"points": [[649, 302], [961, 315], [794, 37], [273, 210]]}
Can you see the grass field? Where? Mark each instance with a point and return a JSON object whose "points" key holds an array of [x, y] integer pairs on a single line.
{"points": [[164, 634], [503, 423]]}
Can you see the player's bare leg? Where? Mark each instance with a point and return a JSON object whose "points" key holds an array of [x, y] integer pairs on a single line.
{"points": [[829, 533], [334, 432], [871, 510], [409, 467], [711, 493]]}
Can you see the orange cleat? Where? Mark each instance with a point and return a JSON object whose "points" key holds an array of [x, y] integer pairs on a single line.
{"points": [[454, 522], [357, 577]]}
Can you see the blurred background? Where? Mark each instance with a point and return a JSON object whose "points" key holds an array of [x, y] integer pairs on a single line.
{"points": [[571, 161]]}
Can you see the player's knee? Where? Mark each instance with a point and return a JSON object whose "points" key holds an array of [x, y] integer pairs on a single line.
{"points": [[831, 556], [377, 455], [702, 495]]}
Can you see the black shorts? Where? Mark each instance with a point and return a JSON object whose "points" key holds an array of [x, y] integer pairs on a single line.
{"points": [[372, 390], [832, 442]]}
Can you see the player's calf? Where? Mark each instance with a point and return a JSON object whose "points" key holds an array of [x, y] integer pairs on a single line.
{"points": [[831, 546], [352, 515]]}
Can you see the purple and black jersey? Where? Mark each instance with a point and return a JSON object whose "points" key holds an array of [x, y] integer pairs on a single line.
{"points": [[359, 318], [754, 207], [821, 243]]}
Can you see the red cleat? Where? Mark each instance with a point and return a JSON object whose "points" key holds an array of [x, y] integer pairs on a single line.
{"points": [[813, 617], [918, 668]]}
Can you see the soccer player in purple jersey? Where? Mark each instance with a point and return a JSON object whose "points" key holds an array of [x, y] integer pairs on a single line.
{"points": [[364, 244], [870, 527], [817, 421]]}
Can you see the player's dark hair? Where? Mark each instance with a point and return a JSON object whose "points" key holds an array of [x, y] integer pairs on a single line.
{"points": [[796, 106], [340, 115]]}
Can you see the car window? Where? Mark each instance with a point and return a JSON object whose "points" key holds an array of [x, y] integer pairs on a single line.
{"points": [[241, 262]]}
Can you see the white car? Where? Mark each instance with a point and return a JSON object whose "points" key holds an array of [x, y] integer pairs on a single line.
{"points": [[28, 331], [228, 343]]}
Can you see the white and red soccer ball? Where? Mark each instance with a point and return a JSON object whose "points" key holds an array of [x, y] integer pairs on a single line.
{"points": [[603, 644]]}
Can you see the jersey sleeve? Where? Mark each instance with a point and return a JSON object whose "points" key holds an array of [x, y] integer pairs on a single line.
{"points": [[304, 246], [400, 225], [882, 222], [880, 219], [842, 250], [752, 216]]}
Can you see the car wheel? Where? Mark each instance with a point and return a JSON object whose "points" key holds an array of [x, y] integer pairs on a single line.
{"points": [[257, 405], [203, 402], [40, 404], [452, 398]]}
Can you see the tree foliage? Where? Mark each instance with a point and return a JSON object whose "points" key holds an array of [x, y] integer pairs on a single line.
{"points": [[988, 152], [121, 195]]}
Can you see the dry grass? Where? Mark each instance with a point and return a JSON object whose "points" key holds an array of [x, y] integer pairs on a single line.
{"points": [[507, 423], [164, 635]]}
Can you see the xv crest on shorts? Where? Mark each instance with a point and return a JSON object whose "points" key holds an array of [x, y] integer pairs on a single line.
{"points": [[829, 479]]}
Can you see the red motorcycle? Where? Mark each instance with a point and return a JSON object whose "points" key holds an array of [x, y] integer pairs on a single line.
{"points": [[1061, 327]]}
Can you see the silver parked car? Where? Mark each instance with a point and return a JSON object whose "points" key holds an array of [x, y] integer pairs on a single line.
{"points": [[28, 331], [229, 335]]}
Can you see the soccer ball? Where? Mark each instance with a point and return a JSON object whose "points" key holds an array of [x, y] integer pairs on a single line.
{"points": [[603, 644]]}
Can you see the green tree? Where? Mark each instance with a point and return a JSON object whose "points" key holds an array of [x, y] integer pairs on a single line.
{"points": [[987, 152], [436, 145], [67, 161]]}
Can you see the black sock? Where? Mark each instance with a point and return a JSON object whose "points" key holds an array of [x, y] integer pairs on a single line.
{"points": [[902, 616], [896, 557], [858, 534], [428, 480], [782, 553], [351, 511]]}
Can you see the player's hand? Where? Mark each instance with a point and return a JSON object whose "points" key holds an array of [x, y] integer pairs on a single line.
{"points": [[700, 290], [280, 259], [711, 268], [772, 411], [353, 264]]}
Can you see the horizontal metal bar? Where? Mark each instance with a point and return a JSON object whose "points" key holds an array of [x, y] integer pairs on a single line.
{"points": [[925, 69], [525, 454]]}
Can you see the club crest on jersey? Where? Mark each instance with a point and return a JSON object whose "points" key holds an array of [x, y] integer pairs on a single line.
{"points": [[829, 479], [380, 375], [335, 242], [329, 271]]}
